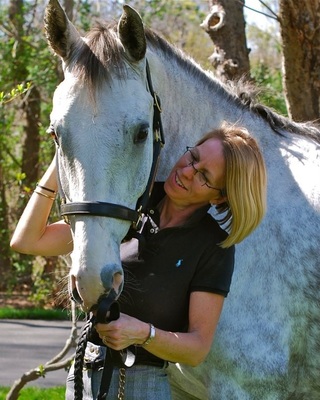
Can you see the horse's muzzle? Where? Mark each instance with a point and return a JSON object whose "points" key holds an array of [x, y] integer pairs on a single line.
{"points": [[87, 303]]}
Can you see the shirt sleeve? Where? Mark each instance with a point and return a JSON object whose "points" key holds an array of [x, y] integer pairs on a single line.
{"points": [[214, 271]]}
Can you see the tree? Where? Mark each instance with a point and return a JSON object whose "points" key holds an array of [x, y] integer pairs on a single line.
{"points": [[25, 85], [31, 102], [299, 23], [264, 41], [225, 25]]}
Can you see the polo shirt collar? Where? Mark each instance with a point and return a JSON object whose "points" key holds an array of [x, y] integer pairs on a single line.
{"points": [[157, 196]]}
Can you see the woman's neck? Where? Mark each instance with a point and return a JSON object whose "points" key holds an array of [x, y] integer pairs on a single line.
{"points": [[173, 215]]}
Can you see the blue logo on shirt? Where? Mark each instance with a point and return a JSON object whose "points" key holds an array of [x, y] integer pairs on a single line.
{"points": [[179, 262]]}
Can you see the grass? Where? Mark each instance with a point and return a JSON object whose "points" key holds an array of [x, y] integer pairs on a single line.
{"points": [[35, 393], [36, 313], [33, 313]]}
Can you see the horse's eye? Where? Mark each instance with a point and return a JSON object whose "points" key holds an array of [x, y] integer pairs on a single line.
{"points": [[51, 131], [142, 135]]}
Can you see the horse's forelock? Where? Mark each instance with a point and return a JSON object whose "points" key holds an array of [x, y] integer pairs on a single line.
{"points": [[94, 59]]}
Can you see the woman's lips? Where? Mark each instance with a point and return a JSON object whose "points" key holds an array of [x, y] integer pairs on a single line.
{"points": [[178, 181]]}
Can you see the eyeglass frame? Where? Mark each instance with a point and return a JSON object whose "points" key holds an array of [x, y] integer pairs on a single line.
{"points": [[197, 171]]}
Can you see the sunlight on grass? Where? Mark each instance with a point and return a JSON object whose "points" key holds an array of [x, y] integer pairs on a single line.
{"points": [[34, 393]]}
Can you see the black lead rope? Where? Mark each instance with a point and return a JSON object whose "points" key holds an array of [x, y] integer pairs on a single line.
{"points": [[122, 359], [79, 359], [106, 304]]}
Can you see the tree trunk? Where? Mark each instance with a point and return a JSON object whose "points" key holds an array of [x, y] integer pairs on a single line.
{"points": [[31, 108], [31, 145], [299, 22], [225, 25], [4, 232]]}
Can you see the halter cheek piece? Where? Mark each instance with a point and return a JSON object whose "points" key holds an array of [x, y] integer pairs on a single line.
{"points": [[104, 209], [124, 358]]}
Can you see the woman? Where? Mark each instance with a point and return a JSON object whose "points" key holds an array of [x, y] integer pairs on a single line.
{"points": [[180, 270]]}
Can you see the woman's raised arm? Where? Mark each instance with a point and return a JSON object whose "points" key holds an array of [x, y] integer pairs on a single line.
{"points": [[33, 235]]}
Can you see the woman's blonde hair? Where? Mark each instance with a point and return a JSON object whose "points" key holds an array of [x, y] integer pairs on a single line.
{"points": [[245, 182]]}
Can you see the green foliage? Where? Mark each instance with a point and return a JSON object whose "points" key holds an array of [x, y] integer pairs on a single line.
{"points": [[41, 291], [271, 83], [84, 13], [19, 90], [35, 393]]}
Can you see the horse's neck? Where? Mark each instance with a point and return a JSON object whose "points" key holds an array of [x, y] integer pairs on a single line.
{"points": [[194, 103], [190, 106]]}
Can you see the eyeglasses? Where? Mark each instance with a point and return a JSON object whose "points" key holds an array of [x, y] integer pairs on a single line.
{"points": [[194, 159]]}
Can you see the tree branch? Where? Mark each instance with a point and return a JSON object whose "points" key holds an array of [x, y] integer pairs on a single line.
{"points": [[273, 16]]}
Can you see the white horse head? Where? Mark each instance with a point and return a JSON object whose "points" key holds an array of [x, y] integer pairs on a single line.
{"points": [[268, 339], [102, 119]]}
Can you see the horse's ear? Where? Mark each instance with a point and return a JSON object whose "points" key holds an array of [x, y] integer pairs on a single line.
{"points": [[60, 32], [131, 33]]}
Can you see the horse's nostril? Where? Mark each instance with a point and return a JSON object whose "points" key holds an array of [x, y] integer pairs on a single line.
{"points": [[74, 294], [118, 282], [111, 276]]}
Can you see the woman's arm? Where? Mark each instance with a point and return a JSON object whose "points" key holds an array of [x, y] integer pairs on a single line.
{"points": [[32, 234], [188, 348]]}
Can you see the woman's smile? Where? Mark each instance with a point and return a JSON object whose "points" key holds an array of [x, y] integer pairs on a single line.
{"points": [[178, 181]]}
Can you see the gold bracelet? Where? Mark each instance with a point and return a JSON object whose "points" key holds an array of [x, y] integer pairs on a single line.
{"points": [[44, 195], [47, 189]]}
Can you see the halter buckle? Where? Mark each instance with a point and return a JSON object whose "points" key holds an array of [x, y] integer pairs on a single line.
{"points": [[136, 225]]}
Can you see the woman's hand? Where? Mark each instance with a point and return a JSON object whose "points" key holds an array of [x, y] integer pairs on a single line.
{"points": [[123, 332], [185, 347]]}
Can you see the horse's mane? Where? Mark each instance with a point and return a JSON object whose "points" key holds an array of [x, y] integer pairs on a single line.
{"points": [[240, 92], [100, 54]]}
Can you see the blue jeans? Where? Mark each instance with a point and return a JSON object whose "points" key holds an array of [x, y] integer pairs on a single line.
{"points": [[142, 382]]}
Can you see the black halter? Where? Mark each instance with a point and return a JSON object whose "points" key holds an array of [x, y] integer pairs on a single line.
{"points": [[105, 209]]}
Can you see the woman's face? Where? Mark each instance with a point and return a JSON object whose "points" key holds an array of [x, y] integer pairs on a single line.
{"points": [[198, 175]]}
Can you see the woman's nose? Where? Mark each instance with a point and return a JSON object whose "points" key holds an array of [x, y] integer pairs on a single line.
{"points": [[189, 171]]}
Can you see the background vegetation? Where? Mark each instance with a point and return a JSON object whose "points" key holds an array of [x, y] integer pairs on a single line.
{"points": [[32, 393]]}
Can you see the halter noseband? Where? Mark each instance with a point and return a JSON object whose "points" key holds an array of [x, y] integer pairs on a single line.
{"points": [[105, 209]]}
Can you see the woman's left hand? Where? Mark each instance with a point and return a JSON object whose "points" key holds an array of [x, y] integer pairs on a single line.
{"points": [[123, 332]]}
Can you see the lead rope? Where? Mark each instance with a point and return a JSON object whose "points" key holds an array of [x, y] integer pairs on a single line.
{"points": [[79, 359]]}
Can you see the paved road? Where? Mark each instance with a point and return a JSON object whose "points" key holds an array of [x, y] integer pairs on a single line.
{"points": [[25, 344]]}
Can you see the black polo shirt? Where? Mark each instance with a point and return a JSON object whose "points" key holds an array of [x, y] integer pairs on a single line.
{"points": [[165, 266]]}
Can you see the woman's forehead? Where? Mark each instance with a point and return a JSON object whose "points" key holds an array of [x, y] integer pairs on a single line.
{"points": [[212, 159]]}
